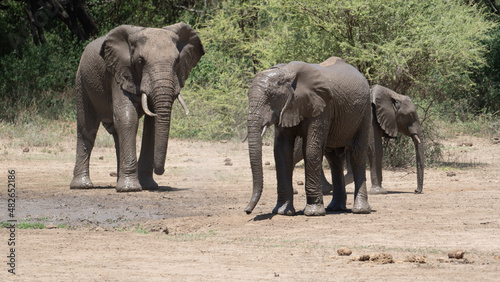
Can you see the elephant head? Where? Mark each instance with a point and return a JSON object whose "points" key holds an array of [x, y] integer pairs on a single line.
{"points": [[397, 113], [151, 65], [283, 95]]}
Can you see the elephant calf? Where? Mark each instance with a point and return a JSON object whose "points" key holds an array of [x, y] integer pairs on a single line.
{"points": [[130, 72]]}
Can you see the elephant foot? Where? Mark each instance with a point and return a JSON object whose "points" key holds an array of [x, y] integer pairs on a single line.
{"points": [[148, 183], [377, 190], [285, 208], [361, 206], [336, 206], [314, 210], [81, 182], [128, 184]]}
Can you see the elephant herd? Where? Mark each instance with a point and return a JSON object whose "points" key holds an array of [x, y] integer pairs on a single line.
{"points": [[325, 109]]}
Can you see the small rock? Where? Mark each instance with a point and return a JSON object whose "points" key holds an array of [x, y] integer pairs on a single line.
{"points": [[451, 174], [456, 254], [300, 182], [51, 226], [364, 258], [223, 141], [228, 162], [416, 259], [113, 174], [382, 258], [101, 158], [26, 149], [267, 163], [466, 144], [344, 251], [496, 140]]}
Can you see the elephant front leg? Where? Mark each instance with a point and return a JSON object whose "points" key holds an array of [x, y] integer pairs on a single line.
{"points": [[126, 121], [283, 157], [146, 159], [313, 167], [335, 158]]}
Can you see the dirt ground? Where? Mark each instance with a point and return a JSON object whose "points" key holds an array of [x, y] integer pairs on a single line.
{"points": [[194, 227]]}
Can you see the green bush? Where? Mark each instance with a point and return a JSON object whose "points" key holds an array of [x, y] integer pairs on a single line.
{"points": [[39, 80], [441, 51]]}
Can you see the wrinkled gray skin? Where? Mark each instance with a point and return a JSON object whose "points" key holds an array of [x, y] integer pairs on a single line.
{"points": [[391, 113], [328, 105], [123, 75]]}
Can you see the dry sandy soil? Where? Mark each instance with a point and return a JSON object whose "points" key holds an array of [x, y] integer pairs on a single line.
{"points": [[194, 227]]}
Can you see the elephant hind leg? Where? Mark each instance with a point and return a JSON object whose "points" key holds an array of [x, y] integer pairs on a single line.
{"points": [[335, 158], [86, 132], [358, 164]]}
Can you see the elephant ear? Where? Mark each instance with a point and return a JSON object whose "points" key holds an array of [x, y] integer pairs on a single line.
{"points": [[309, 93], [115, 51], [189, 47], [386, 107]]}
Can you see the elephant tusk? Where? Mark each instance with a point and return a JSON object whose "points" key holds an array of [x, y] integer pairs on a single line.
{"points": [[145, 106], [183, 104], [263, 131], [418, 139]]}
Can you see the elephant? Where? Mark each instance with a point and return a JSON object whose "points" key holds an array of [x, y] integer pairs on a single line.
{"points": [[391, 113], [326, 104], [130, 72]]}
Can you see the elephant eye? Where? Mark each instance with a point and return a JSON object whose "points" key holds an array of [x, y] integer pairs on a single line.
{"points": [[141, 61]]}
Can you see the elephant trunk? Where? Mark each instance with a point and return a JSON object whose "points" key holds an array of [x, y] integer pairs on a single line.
{"points": [[255, 133], [162, 100], [419, 152], [255, 153]]}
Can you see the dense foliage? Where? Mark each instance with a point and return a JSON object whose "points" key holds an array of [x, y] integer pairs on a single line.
{"points": [[433, 51]]}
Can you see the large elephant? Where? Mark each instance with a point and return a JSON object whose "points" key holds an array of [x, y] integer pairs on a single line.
{"points": [[391, 113], [119, 75], [328, 105]]}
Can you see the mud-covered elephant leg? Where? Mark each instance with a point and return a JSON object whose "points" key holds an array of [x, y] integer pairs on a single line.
{"points": [[146, 159], [86, 132], [126, 122], [117, 151], [375, 156], [298, 155], [358, 164], [335, 158], [283, 154], [313, 147]]}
